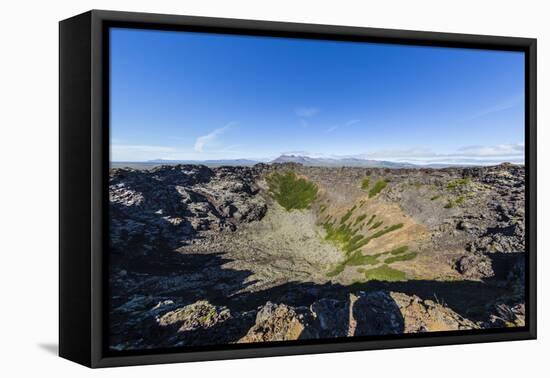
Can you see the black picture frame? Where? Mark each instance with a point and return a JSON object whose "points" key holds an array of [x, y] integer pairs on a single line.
{"points": [[84, 164]]}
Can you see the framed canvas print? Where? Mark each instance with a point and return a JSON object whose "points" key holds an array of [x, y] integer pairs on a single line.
{"points": [[234, 188]]}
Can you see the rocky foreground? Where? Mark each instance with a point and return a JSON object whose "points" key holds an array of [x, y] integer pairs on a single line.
{"points": [[205, 256]]}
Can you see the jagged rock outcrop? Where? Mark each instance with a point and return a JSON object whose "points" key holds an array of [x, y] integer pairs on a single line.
{"points": [[499, 225], [168, 206], [475, 266], [361, 314], [486, 204], [376, 313], [332, 317], [384, 313], [200, 314], [428, 316], [508, 316], [279, 322]]}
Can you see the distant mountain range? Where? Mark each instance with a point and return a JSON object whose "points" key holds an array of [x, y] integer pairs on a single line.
{"points": [[244, 162], [340, 162], [301, 159]]}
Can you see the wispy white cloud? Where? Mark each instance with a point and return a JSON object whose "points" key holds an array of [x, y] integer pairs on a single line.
{"points": [[306, 112], [398, 153], [204, 147], [462, 161], [141, 147], [348, 123], [204, 140], [297, 152], [505, 104], [138, 152], [489, 154], [497, 150]]}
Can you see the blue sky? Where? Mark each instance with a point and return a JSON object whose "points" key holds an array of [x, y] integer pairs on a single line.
{"points": [[194, 96]]}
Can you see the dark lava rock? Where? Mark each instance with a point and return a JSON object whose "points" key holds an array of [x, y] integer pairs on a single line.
{"points": [[332, 317], [506, 316], [167, 206], [376, 313], [475, 266]]}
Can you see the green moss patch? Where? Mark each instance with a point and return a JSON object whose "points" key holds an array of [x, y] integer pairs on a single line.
{"points": [[346, 234], [377, 188], [291, 192], [359, 219], [455, 202], [398, 250], [454, 184], [460, 200], [349, 239], [365, 183], [376, 225], [339, 235], [347, 215], [383, 273], [357, 258], [401, 257], [336, 270], [385, 230], [371, 219]]}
